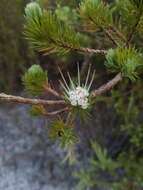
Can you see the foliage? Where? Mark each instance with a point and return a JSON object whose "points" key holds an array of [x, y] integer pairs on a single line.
{"points": [[35, 79], [103, 161], [64, 132], [47, 33], [130, 13], [125, 170], [125, 60], [33, 11], [100, 163], [37, 110], [52, 31], [95, 14], [66, 14]]}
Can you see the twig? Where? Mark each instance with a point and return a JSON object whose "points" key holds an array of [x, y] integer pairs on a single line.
{"points": [[90, 50], [107, 32], [55, 112], [118, 33], [133, 29], [108, 86], [80, 49], [52, 91], [18, 99], [21, 100]]}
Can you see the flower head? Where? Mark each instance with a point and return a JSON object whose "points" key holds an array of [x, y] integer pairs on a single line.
{"points": [[77, 94]]}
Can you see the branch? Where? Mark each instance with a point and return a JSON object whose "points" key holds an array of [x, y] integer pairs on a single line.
{"points": [[118, 33], [21, 100], [80, 49], [52, 91], [90, 50], [108, 86], [134, 29], [108, 33], [18, 99], [55, 112]]}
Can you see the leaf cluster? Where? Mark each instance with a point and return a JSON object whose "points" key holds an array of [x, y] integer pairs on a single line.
{"points": [[33, 11], [95, 14], [100, 163], [128, 111], [124, 60], [64, 132], [130, 14], [37, 110], [34, 80], [47, 33]]}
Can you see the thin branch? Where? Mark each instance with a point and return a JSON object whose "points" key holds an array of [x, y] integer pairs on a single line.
{"points": [[52, 91], [79, 49], [118, 33], [21, 100], [54, 113], [90, 50], [108, 86], [18, 99], [134, 29], [108, 33]]}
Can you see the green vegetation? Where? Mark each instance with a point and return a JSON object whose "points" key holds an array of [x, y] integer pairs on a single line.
{"points": [[35, 79], [109, 35]]}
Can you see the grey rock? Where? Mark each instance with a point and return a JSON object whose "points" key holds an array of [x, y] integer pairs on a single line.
{"points": [[28, 159]]}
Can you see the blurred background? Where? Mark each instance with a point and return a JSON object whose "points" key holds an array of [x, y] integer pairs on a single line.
{"points": [[28, 159]]}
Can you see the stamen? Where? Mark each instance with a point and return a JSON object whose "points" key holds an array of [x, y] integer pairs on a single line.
{"points": [[93, 75], [71, 80], [78, 74], [88, 73], [66, 90], [63, 79]]}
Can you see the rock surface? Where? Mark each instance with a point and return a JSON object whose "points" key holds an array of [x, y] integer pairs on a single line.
{"points": [[28, 160]]}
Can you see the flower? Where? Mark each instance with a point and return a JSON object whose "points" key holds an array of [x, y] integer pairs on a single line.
{"points": [[77, 94], [79, 97]]}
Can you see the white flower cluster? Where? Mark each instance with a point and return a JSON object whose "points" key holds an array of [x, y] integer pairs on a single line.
{"points": [[79, 97]]}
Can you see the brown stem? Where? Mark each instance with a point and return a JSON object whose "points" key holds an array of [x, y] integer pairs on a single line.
{"points": [[21, 100], [55, 112], [107, 32], [108, 86], [18, 99], [89, 50], [134, 29], [52, 91], [118, 33], [80, 49]]}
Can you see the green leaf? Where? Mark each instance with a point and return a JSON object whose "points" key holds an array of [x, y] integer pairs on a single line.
{"points": [[124, 60], [35, 79], [48, 34], [137, 3], [33, 11], [37, 110], [103, 161], [130, 13], [95, 14], [64, 132]]}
